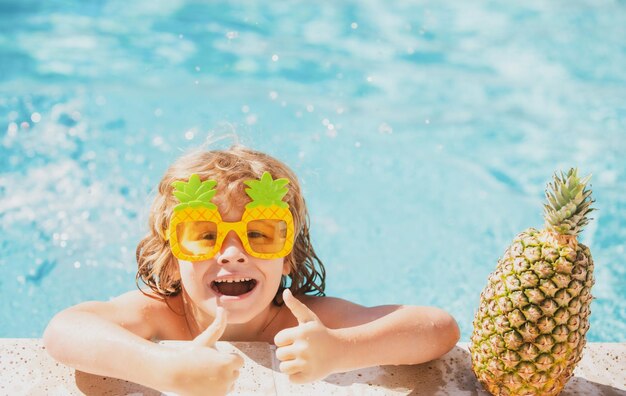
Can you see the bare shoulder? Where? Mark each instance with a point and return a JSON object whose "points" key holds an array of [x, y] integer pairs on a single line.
{"points": [[145, 314], [339, 313]]}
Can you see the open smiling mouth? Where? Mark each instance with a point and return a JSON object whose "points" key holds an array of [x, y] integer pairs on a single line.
{"points": [[233, 287]]}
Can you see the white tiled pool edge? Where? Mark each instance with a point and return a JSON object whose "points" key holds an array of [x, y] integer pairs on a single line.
{"points": [[26, 369]]}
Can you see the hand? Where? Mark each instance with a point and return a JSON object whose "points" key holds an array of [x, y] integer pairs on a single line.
{"points": [[197, 368], [307, 351]]}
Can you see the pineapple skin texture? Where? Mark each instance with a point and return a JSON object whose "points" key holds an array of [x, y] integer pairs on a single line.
{"points": [[529, 331], [190, 214], [271, 212]]}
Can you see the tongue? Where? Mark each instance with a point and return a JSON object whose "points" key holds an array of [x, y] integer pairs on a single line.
{"points": [[233, 288]]}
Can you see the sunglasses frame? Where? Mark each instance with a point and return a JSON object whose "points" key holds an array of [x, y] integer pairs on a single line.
{"points": [[224, 228]]}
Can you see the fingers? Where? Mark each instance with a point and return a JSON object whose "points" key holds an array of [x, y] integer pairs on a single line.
{"points": [[290, 352], [236, 361], [213, 333], [230, 376], [291, 367], [302, 313], [284, 354], [296, 370], [286, 336], [231, 370]]}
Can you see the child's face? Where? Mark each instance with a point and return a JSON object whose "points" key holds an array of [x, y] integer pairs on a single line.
{"points": [[259, 279]]}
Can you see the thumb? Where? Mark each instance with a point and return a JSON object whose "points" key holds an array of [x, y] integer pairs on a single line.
{"points": [[211, 334], [302, 313]]}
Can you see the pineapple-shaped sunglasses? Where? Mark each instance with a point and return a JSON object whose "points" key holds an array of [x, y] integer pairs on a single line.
{"points": [[196, 230]]}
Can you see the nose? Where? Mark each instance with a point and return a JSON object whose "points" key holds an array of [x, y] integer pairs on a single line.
{"points": [[232, 250]]}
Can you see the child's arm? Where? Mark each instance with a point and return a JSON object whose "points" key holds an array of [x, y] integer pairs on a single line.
{"points": [[111, 339], [342, 336]]}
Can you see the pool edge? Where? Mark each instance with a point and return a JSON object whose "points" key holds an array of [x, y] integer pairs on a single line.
{"points": [[26, 368]]}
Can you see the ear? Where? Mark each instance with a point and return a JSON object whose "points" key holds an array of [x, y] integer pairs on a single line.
{"points": [[287, 266]]}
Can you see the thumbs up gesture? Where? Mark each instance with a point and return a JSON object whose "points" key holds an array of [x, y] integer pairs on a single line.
{"points": [[306, 351], [211, 334], [197, 368]]}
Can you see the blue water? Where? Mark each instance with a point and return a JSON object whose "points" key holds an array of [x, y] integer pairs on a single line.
{"points": [[423, 133]]}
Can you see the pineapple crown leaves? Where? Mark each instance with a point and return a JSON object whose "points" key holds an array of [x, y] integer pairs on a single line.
{"points": [[568, 204], [194, 193], [267, 191]]}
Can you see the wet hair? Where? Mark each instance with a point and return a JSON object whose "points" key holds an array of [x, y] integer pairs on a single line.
{"points": [[157, 267]]}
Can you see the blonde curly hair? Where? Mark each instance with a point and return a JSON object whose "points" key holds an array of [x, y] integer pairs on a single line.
{"points": [[157, 267]]}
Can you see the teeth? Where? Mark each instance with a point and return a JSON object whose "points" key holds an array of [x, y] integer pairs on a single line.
{"points": [[232, 280]]}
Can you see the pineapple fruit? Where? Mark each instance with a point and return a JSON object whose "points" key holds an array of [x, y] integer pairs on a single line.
{"points": [[195, 205], [529, 331]]}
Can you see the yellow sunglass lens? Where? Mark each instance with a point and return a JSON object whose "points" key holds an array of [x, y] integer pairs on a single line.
{"points": [[267, 235], [196, 238]]}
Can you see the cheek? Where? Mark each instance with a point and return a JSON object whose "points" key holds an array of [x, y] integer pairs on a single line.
{"points": [[274, 271], [191, 275], [185, 269]]}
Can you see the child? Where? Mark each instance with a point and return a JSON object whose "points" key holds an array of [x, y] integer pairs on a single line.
{"points": [[251, 284]]}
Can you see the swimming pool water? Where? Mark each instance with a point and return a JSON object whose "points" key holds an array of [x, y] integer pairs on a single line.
{"points": [[423, 134]]}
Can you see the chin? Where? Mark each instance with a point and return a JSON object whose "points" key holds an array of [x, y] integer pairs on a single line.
{"points": [[239, 318], [241, 315]]}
